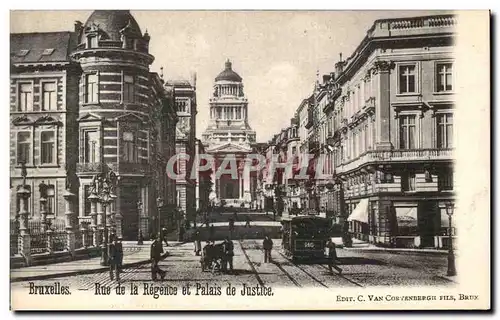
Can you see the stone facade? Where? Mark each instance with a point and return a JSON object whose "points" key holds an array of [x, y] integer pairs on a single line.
{"points": [[229, 133], [104, 111], [383, 120]]}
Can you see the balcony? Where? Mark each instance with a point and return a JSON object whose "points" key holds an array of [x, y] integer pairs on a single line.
{"points": [[396, 156], [135, 168], [89, 168], [94, 168]]}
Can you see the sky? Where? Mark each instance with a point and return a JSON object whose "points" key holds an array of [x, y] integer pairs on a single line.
{"points": [[277, 53]]}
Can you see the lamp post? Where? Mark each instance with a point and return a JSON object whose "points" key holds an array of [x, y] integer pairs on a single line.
{"points": [[451, 255], [103, 186], [159, 204]]}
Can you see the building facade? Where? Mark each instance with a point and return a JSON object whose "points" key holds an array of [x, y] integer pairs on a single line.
{"points": [[383, 122], [84, 103], [393, 108], [229, 134], [185, 143]]}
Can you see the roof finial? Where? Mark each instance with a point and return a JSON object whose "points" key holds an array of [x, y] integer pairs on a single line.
{"points": [[228, 64], [341, 57], [161, 72]]}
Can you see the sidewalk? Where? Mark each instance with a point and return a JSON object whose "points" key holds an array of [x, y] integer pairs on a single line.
{"points": [[133, 255], [358, 245]]}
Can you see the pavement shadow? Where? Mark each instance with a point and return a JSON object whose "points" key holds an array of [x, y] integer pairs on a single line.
{"points": [[359, 261]]}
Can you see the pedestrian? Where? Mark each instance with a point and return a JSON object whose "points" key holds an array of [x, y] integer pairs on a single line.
{"points": [[164, 234], [229, 254], [212, 232], [247, 223], [197, 243], [115, 254], [231, 226], [268, 246], [235, 216], [156, 253], [332, 257]]}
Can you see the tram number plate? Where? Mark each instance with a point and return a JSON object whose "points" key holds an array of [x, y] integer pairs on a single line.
{"points": [[308, 244]]}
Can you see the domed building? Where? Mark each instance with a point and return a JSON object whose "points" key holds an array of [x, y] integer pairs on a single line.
{"points": [[229, 133], [123, 124], [84, 105]]}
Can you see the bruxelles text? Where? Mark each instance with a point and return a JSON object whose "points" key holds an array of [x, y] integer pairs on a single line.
{"points": [[298, 167]]}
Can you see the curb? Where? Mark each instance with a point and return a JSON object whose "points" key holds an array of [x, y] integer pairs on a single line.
{"points": [[78, 272], [390, 250]]}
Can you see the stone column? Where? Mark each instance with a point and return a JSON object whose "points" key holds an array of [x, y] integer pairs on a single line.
{"points": [[383, 105], [93, 222], [100, 223], [43, 213], [246, 184], [84, 234], [70, 215], [24, 235]]}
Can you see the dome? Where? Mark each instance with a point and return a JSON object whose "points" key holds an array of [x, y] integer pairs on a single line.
{"points": [[228, 74], [111, 22]]}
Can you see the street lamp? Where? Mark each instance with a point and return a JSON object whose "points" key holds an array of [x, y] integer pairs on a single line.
{"points": [[159, 204], [451, 255], [103, 186]]}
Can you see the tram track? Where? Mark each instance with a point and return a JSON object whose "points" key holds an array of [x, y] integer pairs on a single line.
{"points": [[257, 276], [343, 277], [301, 269], [280, 267]]}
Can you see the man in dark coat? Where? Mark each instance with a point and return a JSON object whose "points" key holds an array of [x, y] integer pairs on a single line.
{"points": [[228, 254], [115, 256], [156, 253], [332, 257], [268, 246]]}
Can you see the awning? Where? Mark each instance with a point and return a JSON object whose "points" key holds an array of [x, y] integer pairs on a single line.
{"points": [[407, 216], [360, 213]]}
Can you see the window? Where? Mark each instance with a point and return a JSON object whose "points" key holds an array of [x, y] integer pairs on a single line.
{"points": [[444, 130], [407, 131], [91, 152], [24, 147], [407, 79], [92, 41], [87, 203], [128, 88], [49, 96], [219, 113], [47, 141], [444, 77], [408, 181], [445, 179], [51, 199], [91, 88], [47, 52], [129, 147], [25, 97]]}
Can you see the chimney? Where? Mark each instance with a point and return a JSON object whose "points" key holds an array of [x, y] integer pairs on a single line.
{"points": [[78, 26], [339, 66], [326, 78], [193, 79]]}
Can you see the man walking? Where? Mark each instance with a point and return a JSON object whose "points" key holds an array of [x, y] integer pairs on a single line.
{"points": [[115, 256], [228, 253], [231, 226], [332, 257], [247, 223], [197, 242], [268, 246], [156, 253]]}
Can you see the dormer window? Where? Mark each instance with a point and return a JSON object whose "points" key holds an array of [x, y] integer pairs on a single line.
{"points": [[22, 53], [47, 52], [92, 41]]}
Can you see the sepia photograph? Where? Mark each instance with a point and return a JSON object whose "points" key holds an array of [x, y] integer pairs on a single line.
{"points": [[248, 160]]}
